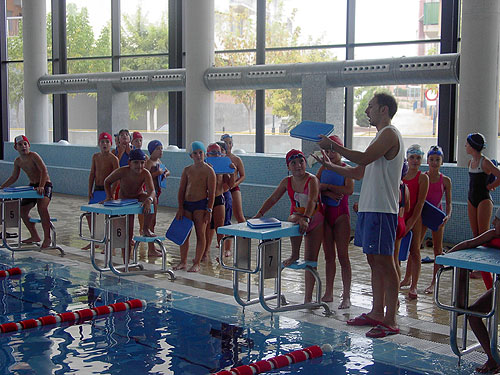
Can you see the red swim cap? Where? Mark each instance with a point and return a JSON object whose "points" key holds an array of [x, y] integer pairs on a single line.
{"points": [[293, 154]]}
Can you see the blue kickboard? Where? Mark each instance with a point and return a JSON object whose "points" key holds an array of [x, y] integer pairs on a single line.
{"points": [[331, 178], [404, 247], [162, 180], [302, 264], [220, 164], [120, 202], [12, 189], [18, 194], [486, 259], [432, 217], [179, 230], [97, 196], [264, 222], [311, 130]]}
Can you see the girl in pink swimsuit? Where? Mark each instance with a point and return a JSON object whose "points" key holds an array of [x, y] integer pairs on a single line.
{"points": [[439, 184], [306, 211], [337, 226]]}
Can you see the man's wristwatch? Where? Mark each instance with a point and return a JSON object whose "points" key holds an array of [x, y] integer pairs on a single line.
{"points": [[209, 210]]}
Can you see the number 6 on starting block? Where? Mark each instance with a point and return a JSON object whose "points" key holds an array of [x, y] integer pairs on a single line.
{"points": [[118, 232]]}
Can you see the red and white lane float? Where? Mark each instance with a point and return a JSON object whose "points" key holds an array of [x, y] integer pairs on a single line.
{"points": [[277, 362], [10, 272], [73, 316]]}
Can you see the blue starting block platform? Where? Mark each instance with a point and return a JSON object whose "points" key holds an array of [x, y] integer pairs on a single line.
{"points": [[484, 259], [267, 265]]}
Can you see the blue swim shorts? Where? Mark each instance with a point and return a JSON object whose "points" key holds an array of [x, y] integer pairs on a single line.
{"points": [[376, 232]]}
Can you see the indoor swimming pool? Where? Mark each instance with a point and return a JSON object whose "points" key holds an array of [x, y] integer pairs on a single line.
{"points": [[175, 334]]}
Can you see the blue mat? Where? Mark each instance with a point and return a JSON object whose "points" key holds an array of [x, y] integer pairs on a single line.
{"points": [[311, 130], [432, 217], [97, 196], [179, 230], [220, 164], [120, 202], [264, 222], [331, 178]]}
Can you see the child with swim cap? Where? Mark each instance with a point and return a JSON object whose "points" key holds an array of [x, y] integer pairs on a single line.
{"points": [[306, 211], [34, 167], [219, 210], [158, 172], [239, 177], [418, 185], [335, 191], [103, 163], [479, 202], [196, 201], [439, 184]]}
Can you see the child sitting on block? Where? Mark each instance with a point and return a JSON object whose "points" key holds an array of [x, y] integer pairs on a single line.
{"points": [[196, 201], [34, 167]]}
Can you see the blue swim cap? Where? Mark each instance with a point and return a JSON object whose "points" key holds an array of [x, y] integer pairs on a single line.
{"points": [[197, 145], [224, 136], [435, 150], [136, 154], [152, 145]]}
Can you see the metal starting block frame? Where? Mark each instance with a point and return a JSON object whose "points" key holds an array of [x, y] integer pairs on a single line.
{"points": [[109, 226], [267, 265], [481, 259], [11, 218]]}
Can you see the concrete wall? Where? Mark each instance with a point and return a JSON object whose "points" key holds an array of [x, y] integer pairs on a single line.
{"points": [[69, 169]]}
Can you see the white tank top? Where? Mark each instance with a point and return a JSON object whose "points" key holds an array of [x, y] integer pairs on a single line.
{"points": [[380, 186]]}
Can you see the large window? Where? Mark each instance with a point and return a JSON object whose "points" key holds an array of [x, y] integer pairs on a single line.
{"points": [[416, 117]]}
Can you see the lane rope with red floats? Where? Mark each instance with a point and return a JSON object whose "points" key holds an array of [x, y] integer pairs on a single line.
{"points": [[279, 361], [10, 272], [73, 316]]}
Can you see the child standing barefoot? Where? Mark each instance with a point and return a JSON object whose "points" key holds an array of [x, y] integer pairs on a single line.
{"points": [[479, 203], [306, 211], [196, 201], [337, 227], [418, 184], [438, 184]]}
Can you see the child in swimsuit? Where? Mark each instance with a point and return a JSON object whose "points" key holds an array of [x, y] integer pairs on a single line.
{"points": [[337, 227], [418, 184], [438, 185], [219, 211], [196, 198], [228, 204], [239, 176], [103, 163], [34, 167], [306, 211], [158, 172], [479, 203], [404, 209]]}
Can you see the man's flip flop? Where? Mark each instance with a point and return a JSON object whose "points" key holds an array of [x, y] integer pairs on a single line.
{"points": [[427, 260], [363, 320], [381, 331]]}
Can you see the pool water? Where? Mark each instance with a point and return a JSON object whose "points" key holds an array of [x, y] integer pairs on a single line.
{"points": [[175, 334]]}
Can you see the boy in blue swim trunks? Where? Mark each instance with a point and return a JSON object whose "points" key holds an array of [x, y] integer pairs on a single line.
{"points": [[103, 163], [196, 198], [34, 167]]}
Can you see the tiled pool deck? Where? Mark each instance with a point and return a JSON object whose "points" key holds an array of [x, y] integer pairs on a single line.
{"points": [[424, 327]]}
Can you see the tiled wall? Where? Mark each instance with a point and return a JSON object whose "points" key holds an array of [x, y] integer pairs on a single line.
{"points": [[69, 169]]}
